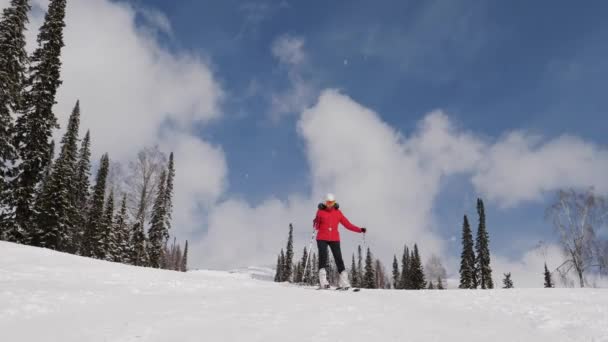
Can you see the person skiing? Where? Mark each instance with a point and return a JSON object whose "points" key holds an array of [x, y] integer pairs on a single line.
{"points": [[326, 223]]}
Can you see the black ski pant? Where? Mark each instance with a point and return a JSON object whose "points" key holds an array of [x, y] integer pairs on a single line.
{"points": [[335, 250]]}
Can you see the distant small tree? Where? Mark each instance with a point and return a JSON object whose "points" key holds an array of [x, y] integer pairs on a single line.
{"points": [[417, 272], [184, 261], [507, 282], [354, 279], [548, 280], [431, 287], [369, 276], [289, 256], [396, 274], [440, 284]]}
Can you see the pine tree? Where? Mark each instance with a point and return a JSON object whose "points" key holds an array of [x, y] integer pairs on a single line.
{"points": [[282, 266], [122, 233], [417, 272], [369, 276], [354, 281], [55, 209], [169, 196], [110, 236], [405, 282], [440, 283], [548, 281], [289, 255], [158, 229], [431, 287], [94, 232], [507, 282], [467, 258], [359, 267], [13, 64], [184, 261], [81, 191], [277, 274], [396, 274], [300, 275], [138, 245], [34, 127], [483, 251]]}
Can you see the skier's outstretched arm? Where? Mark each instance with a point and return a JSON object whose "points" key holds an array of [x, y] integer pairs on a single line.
{"points": [[346, 223]]}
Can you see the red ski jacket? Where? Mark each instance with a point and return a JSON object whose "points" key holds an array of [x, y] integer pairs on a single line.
{"points": [[326, 223]]}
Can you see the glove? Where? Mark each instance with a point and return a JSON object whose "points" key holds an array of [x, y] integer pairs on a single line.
{"points": [[363, 230]]}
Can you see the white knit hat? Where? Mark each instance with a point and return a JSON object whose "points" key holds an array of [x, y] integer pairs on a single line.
{"points": [[330, 198]]}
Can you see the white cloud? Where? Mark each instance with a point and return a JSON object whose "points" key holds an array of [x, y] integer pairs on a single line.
{"points": [[289, 50], [127, 83], [521, 167], [385, 181]]}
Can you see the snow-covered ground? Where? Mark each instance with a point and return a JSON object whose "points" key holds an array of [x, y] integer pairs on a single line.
{"points": [[49, 296]]}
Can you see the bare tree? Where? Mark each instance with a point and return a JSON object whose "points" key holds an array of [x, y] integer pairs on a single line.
{"points": [[576, 217], [434, 270], [142, 180], [117, 179]]}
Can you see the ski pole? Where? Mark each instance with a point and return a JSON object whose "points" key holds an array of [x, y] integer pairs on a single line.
{"points": [[314, 233]]}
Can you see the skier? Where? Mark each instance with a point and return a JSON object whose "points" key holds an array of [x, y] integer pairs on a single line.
{"points": [[326, 223]]}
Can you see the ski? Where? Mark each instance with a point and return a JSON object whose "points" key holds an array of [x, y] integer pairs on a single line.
{"points": [[343, 289]]}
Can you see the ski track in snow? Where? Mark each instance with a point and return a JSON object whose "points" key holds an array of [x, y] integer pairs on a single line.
{"points": [[50, 296]]}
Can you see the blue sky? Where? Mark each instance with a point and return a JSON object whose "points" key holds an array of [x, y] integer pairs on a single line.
{"points": [[493, 66], [502, 100]]}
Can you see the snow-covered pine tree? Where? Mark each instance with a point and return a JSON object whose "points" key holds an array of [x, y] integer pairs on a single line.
{"points": [[169, 196], [289, 255], [483, 250], [431, 287], [55, 209], [81, 192], [277, 273], [94, 233], [359, 266], [158, 229], [110, 241], [13, 65], [467, 257], [122, 233], [548, 280], [282, 278], [34, 127], [307, 273], [369, 281], [138, 245], [396, 274], [184, 261], [300, 276], [354, 279], [405, 282], [417, 272], [507, 282]]}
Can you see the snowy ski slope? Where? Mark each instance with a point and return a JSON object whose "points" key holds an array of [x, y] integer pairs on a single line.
{"points": [[49, 296]]}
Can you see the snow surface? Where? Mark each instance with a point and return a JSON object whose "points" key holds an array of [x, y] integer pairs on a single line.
{"points": [[50, 296]]}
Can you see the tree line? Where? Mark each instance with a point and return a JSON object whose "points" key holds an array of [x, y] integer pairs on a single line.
{"points": [[49, 201], [368, 272]]}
